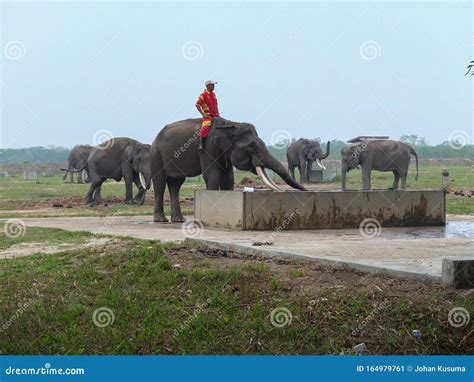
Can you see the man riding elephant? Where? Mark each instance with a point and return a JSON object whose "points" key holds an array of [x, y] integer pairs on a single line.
{"points": [[207, 107]]}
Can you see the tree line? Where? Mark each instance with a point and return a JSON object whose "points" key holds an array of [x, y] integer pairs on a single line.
{"points": [[57, 154]]}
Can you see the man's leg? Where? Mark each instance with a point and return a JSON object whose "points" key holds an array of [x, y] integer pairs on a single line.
{"points": [[203, 133]]}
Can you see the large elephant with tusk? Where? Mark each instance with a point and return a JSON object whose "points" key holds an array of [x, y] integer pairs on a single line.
{"points": [[119, 158], [175, 156], [302, 153]]}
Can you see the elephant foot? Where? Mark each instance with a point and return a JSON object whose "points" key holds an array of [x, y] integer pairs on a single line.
{"points": [[177, 218], [160, 219], [129, 201]]}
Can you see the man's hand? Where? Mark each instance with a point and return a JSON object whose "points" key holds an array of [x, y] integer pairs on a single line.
{"points": [[199, 108]]}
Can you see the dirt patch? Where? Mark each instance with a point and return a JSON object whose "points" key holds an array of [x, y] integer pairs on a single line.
{"points": [[304, 278], [27, 249]]}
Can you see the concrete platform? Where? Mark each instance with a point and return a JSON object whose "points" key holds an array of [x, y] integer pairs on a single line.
{"points": [[401, 252], [293, 210]]}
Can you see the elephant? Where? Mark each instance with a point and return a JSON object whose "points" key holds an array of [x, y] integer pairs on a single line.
{"points": [[380, 155], [77, 159], [115, 159], [302, 153], [174, 156]]}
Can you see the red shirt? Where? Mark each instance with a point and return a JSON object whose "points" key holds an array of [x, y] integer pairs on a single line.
{"points": [[208, 102]]}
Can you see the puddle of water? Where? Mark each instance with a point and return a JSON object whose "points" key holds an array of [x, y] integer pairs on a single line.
{"points": [[453, 229]]}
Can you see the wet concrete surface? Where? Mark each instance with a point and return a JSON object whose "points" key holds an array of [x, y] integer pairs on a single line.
{"points": [[413, 252]]}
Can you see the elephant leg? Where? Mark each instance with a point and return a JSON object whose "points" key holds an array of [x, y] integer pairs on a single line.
{"points": [[71, 177], [97, 195], [127, 173], [292, 171], [403, 176], [366, 178], [396, 178], [89, 198], [301, 173], [213, 177], [65, 175], [302, 168], [174, 185], [309, 164], [227, 179], [159, 184], [79, 177], [140, 196]]}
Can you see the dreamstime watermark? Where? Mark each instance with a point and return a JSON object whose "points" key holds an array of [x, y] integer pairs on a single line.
{"points": [[379, 306], [280, 139], [286, 221], [108, 220], [101, 52], [192, 228], [103, 139], [103, 317], [22, 308], [287, 43], [192, 50], [200, 308], [14, 50], [46, 370], [370, 50], [370, 228], [358, 149], [14, 228], [458, 139], [281, 317], [458, 317], [186, 145]]}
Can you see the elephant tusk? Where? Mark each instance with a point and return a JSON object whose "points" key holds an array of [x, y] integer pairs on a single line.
{"points": [[320, 164], [271, 180], [142, 180], [263, 175]]}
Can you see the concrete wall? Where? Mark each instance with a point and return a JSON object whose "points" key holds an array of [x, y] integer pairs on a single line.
{"points": [[219, 208], [293, 210]]}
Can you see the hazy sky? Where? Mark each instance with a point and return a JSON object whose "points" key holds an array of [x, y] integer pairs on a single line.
{"points": [[313, 69]]}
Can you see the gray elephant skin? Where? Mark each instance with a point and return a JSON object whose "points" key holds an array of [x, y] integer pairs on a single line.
{"points": [[380, 155], [77, 159], [174, 156], [115, 159], [302, 153]]}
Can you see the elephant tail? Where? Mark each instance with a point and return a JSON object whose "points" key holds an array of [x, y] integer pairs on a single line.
{"points": [[82, 169], [413, 152]]}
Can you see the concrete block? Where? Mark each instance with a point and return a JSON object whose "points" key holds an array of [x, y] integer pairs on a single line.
{"points": [[30, 175], [293, 210], [320, 176], [458, 272]]}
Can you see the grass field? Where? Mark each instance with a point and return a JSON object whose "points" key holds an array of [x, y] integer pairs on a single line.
{"points": [[143, 297], [16, 194]]}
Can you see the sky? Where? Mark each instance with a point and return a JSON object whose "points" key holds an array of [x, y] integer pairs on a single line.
{"points": [[77, 72]]}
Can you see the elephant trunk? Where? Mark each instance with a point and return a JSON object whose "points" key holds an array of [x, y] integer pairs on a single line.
{"points": [[343, 176], [327, 151], [274, 165]]}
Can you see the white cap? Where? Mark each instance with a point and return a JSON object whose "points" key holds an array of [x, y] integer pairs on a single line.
{"points": [[210, 82]]}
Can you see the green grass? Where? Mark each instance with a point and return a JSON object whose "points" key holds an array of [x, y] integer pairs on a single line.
{"points": [[213, 305], [49, 236]]}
